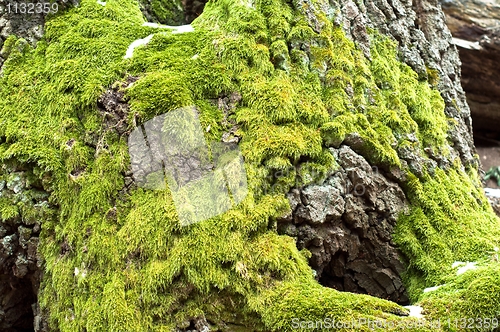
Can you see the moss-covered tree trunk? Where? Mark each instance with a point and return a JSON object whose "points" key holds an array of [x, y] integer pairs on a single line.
{"points": [[360, 170]]}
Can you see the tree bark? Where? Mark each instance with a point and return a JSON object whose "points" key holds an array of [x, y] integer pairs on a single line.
{"points": [[393, 198]]}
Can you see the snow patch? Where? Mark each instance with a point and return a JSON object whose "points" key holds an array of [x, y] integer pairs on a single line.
{"points": [[135, 44], [176, 29], [492, 192], [102, 3], [184, 28], [466, 267], [144, 41], [466, 44], [415, 311], [82, 273], [431, 289], [151, 25]]}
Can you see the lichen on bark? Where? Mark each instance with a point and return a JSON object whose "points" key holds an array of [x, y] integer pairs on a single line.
{"points": [[116, 257]]}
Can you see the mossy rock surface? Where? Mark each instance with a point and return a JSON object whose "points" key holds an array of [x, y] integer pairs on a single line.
{"points": [[128, 265]]}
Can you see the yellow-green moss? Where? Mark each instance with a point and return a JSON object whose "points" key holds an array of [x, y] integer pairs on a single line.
{"points": [[140, 270], [443, 227], [168, 11], [469, 301]]}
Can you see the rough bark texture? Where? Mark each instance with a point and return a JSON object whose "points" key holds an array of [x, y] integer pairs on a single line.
{"points": [[476, 28], [425, 45], [335, 227], [347, 224], [346, 221], [20, 265]]}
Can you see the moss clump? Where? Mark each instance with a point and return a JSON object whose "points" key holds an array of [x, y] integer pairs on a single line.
{"points": [[439, 229], [468, 301], [168, 11], [130, 265]]}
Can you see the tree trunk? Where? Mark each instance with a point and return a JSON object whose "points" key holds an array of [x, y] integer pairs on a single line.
{"points": [[360, 173]]}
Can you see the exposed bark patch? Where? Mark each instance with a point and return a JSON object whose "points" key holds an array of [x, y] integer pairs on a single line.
{"points": [[198, 324], [20, 264], [228, 104], [347, 223], [114, 108]]}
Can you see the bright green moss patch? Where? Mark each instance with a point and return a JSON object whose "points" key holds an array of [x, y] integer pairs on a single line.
{"points": [[442, 227], [470, 300], [309, 301], [118, 261]]}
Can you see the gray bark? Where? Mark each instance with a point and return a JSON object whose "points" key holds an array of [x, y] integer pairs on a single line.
{"points": [[350, 240]]}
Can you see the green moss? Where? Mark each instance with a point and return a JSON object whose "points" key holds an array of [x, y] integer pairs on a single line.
{"points": [[432, 76], [138, 269], [168, 11], [442, 228], [468, 301], [8, 44]]}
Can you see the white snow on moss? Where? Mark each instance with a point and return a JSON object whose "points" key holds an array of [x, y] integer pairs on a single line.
{"points": [[176, 29], [184, 28], [465, 266], [82, 273], [135, 44], [151, 25], [431, 289], [492, 192], [415, 311], [144, 41]]}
